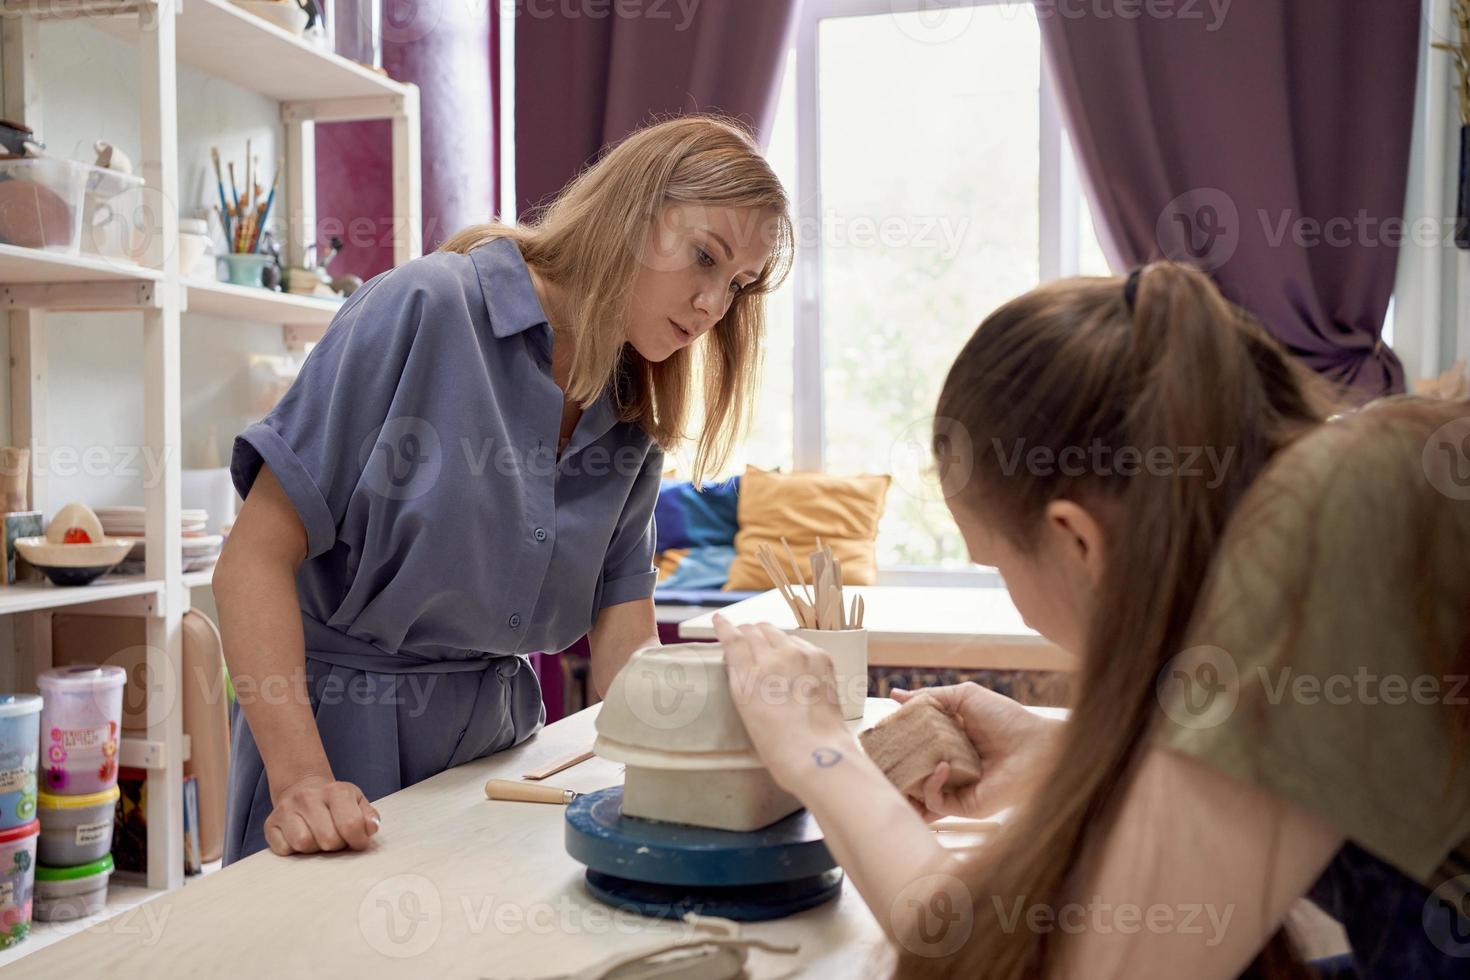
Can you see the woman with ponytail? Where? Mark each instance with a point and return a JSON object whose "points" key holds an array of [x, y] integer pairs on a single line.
{"points": [[1253, 592]]}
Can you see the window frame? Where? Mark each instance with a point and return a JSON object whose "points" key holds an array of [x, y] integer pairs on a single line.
{"points": [[1059, 243]]}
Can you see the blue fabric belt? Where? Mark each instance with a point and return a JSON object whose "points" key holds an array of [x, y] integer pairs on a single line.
{"points": [[332, 646]]}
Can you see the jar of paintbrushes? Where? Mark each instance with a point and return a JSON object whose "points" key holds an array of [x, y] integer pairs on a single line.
{"points": [[825, 618], [244, 219]]}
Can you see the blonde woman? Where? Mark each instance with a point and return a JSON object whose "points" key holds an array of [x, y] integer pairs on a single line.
{"points": [[465, 472]]}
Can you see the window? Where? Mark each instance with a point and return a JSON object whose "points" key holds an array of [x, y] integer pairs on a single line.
{"points": [[933, 182]]}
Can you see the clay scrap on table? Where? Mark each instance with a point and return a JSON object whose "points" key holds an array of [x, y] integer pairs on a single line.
{"points": [[910, 743]]}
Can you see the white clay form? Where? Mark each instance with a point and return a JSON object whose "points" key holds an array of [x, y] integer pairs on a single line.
{"points": [[670, 719]]}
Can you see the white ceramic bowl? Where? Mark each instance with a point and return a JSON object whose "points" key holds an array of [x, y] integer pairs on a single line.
{"points": [[39, 551], [285, 14], [670, 707], [74, 564]]}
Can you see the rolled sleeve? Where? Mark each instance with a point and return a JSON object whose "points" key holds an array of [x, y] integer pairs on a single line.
{"points": [[314, 439], [628, 572]]}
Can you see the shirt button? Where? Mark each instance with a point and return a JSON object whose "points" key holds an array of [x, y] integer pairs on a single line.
{"points": [[541, 534], [515, 621]]}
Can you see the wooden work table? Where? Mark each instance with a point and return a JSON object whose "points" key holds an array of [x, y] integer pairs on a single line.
{"points": [[453, 886], [962, 628]]}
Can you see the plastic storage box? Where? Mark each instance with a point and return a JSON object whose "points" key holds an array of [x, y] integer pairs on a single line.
{"points": [[81, 722], [46, 203], [17, 869], [20, 726], [76, 829], [63, 894]]}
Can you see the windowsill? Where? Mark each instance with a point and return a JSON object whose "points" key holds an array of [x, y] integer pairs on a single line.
{"points": [[975, 577]]}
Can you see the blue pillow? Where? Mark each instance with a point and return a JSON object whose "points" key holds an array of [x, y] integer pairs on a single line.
{"points": [[689, 518], [705, 567]]}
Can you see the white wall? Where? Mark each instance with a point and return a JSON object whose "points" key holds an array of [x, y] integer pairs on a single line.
{"points": [[89, 89], [89, 86]]}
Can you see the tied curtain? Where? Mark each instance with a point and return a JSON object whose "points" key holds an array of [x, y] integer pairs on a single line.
{"points": [[1267, 143]]}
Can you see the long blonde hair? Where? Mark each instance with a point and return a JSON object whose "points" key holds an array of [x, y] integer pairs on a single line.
{"points": [[589, 239]]}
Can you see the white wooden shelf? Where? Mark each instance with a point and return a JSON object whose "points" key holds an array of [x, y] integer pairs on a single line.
{"points": [[223, 40], [34, 265], [200, 579], [33, 596], [252, 303], [311, 85]]}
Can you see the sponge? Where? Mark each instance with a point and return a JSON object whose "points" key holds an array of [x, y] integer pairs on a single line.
{"points": [[910, 743]]}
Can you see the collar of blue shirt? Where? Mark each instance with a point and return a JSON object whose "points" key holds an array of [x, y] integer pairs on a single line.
{"points": [[510, 296], [510, 299]]}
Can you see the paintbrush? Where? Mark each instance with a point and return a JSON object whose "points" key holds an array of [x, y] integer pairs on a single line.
{"points": [[270, 199], [235, 194], [219, 183]]}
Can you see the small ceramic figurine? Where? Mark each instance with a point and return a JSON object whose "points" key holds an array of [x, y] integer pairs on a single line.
{"points": [[110, 157]]}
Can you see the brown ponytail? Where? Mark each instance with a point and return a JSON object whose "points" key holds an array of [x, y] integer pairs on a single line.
{"points": [[1069, 367]]}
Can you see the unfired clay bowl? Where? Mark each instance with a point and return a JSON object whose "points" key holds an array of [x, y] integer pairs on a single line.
{"points": [[670, 719], [671, 700]]}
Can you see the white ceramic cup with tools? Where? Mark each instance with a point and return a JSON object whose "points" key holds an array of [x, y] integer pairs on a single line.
{"points": [[849, 652]]}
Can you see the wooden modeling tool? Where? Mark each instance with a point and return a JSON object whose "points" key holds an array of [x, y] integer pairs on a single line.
{"points": [[510, 789], [552, 768]]}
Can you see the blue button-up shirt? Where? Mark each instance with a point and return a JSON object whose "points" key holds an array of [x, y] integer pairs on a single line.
{"points": [[418, 446]]}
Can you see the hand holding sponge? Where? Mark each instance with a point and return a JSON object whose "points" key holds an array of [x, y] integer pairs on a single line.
{"points": [[909, 745]]}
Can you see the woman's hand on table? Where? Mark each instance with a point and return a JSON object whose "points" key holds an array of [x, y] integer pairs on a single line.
{"points": [[318, 813], [1015, 747], [786, 693]]}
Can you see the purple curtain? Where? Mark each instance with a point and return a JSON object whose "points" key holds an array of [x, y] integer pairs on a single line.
{"points": [[1268, 144], [585, 81], [446, 48]]}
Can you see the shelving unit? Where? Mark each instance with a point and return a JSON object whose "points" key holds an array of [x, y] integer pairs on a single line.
{"points": [[312, 86]]}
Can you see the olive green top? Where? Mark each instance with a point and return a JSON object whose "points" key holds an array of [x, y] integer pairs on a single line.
{"points": [[1321, 663]]}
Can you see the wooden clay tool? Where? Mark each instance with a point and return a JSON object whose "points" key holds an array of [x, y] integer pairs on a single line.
{"points": [[510, 789], [552, 768]]}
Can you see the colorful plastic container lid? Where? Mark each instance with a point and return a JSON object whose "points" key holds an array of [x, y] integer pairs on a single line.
{"points": [[82, 677], [14, 705], [48, 802], [19, 833], [47, 873]]}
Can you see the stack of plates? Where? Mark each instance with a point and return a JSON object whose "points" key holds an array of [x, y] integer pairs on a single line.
{"points": [[200, 548]]}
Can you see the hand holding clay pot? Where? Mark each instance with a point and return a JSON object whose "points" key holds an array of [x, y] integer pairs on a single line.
{"points": [[785, 690], [1015, 747]]}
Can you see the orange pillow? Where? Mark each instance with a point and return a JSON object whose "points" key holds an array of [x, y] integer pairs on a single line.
{"points": [[668, 560], [842, 510]]}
